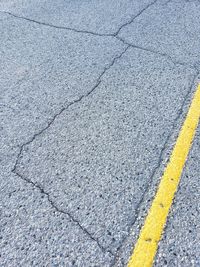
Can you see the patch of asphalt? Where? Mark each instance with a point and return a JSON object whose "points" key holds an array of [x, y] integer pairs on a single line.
{"points": [[44, 129], [40, 79], [26, 73], [43, 71], [97, 164]]}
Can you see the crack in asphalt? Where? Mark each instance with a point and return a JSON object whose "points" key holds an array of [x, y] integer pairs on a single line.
{"points": [[70, 104], [115, 35], [14, 170], [160, 160], [98, 82], [53, 205], [55, 26], [82, 31], [165, 55], [133, 18]]}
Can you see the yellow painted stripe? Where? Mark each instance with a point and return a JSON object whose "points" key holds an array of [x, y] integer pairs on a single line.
{"points": [[146, 246]]}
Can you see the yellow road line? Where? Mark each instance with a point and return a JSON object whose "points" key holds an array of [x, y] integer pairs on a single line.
{"points": [[146, 246]]}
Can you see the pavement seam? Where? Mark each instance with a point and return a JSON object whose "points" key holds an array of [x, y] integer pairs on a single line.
{"points": [[14, 170], [82, 31], [160, 160]]}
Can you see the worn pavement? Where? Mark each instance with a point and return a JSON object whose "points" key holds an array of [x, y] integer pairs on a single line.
{"points": [[92, 97]]}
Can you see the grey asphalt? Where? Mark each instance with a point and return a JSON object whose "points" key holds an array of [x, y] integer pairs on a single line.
{"points": [[93, 95], [180, 243]]}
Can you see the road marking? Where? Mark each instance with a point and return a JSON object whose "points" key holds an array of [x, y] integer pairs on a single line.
{"points": [[150, 234]]}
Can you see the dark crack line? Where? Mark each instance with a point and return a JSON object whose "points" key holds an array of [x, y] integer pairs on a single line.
{"points": [[42, 191], [175, 62], [81, 31], [14, 170], [160, 160], [108, 35], [115, 35], [55, 26], [133, 18], [69, 105]]}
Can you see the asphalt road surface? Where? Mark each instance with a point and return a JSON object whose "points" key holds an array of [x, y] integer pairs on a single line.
{"points": [[92, 98]]}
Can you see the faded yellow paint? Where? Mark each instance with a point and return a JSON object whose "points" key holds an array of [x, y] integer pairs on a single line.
{"points": [[146, 246]]}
